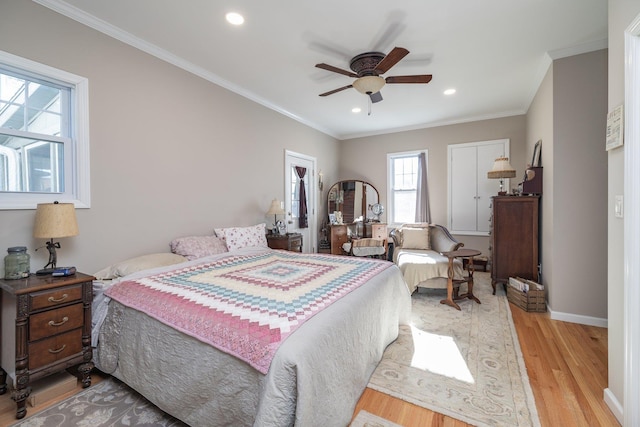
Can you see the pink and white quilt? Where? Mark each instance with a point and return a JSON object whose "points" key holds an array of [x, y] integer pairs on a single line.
{"points": [[246, 305]]}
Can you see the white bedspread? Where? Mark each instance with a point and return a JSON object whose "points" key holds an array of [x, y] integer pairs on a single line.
{"points": [[315, 378]]}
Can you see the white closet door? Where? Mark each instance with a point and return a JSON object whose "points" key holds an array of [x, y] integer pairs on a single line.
{"points": [[464, 175], [470, 190]]}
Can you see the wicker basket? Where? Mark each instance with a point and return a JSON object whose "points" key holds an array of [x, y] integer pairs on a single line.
{"points": [[533, 300]]}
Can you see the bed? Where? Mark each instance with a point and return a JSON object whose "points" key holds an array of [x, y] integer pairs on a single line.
{"points": [[314, 376]]}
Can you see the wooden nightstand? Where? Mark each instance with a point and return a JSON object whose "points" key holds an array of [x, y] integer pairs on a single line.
{"points": [[288, 242], [46, 328]]}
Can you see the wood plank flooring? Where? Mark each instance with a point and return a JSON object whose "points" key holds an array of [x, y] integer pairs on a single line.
{"points": [[566, 364], [567, 368]]}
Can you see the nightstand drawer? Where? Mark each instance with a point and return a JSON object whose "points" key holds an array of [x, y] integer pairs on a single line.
{"points": [[52, 349], [54, 297], [53, 322]]}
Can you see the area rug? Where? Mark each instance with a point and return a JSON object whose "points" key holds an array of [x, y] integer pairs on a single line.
{"points": [[108, 403], [464, 364], [367, 419]]}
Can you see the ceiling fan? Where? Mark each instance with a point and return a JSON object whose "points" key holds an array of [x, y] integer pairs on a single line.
{"points": [[367, 68]]}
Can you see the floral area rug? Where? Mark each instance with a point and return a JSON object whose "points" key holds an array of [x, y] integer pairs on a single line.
{"points": [[465, 364], [367, 419], [108, 403]]}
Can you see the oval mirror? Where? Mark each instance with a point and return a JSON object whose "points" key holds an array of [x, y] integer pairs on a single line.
{"points": [[354, 199]]}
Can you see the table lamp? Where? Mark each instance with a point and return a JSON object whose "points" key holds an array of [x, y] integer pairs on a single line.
{"points": [[501, 170], [53, 221], [275, 209]]}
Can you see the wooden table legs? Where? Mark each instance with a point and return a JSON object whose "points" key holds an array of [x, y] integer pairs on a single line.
{"points": [[452, 296]]}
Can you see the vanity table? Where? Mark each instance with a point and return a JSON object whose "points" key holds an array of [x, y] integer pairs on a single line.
{"points": [[355, 199]]}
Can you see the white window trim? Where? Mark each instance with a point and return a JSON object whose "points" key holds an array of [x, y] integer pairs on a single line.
{"points": [[78, 190], [390, 157]]}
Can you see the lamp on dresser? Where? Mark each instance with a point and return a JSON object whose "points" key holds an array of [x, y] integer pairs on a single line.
{"points": [[53, 221], [501, 170]]}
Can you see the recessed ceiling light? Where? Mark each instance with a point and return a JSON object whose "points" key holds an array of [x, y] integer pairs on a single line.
{"points": [[356, 110], [234, 18], [449, 91]]}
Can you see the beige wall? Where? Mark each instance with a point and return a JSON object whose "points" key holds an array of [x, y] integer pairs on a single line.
{"points": [[621, 14], [365, 158], [171, 154]]}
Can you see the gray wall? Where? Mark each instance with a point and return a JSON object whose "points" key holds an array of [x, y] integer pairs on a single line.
{"points": [[579, 185], [171, 154]]}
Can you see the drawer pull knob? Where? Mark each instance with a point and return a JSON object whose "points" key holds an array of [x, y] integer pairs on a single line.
{"points": [[65, 319], [58, 350], [64, 297]]}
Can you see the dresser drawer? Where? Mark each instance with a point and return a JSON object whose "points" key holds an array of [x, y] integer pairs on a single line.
{"points": [[56, 348], [55, 321], [55, 297]]}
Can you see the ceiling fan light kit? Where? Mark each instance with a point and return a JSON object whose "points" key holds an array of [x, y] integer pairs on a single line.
{"points": [[368, 84], [367, 68]]}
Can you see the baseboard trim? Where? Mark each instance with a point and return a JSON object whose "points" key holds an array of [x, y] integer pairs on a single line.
{"points": [[614, 405], [578, 318]]}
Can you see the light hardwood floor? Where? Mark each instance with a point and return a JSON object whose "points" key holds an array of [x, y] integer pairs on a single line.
{"points": [[567, 368], [566, 364]]}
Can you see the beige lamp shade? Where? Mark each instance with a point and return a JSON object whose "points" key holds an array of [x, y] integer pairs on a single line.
{"points": [[275, 208], [369, 84], [501, 169], [55, 220]]}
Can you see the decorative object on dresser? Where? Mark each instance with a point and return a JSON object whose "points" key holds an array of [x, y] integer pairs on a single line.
{"points": [[532, 183], [276, 209], [53, 221], [514, 238], [46, 328], [501, 170], [288, 242]]}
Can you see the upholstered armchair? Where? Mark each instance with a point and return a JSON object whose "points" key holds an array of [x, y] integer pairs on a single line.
{"points": [[417, 252]]}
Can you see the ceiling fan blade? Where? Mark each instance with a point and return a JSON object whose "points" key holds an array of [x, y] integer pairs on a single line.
{"points": [[336, 70], [392, 58], [375, 97], [424, 78], [331, 92]]}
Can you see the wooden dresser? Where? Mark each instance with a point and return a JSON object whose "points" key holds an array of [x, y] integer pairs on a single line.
{"points": [[46, 328], [514, 238], [339, 234]]}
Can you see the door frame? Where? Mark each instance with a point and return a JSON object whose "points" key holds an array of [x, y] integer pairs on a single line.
{"points": [[632, 225], [310, 244]]}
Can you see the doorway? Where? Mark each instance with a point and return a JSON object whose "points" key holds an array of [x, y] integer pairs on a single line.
{"points": [[297, 164]]}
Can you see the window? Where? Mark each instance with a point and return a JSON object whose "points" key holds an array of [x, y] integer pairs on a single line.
{"points": [[402, 185], [44, 138]]}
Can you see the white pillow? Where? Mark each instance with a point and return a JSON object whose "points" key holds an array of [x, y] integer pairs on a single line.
{"points": [[416, 238], [245, 237], [133, 265], [194, 247]]}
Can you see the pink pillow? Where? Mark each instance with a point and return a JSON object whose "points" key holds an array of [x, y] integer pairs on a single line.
{"points": [[193, 247]]}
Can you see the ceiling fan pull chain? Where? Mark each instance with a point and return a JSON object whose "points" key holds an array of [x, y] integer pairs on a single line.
{"points": [[369, 105]]}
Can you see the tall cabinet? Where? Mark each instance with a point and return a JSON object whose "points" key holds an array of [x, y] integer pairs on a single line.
{"points": [[514, 238]]}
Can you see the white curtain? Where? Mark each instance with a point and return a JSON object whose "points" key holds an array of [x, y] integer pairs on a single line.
{"points": [[423, 210]]}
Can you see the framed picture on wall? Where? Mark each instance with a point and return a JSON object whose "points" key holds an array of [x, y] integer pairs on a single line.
{"points": [[615, 128], [535, 160]]}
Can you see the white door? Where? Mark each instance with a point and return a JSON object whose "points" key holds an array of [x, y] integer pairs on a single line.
{"points": [[292, 200]]}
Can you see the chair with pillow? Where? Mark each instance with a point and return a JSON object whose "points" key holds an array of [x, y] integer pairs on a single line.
{"points": [[417, 252]]}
